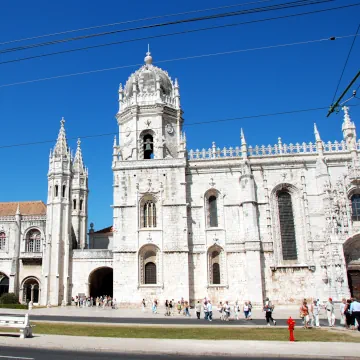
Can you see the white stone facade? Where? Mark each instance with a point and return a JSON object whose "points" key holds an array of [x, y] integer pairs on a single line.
{"points": [[229, 224]]}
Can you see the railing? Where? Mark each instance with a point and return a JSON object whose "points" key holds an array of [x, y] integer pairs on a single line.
{"points": [[269, 150]]}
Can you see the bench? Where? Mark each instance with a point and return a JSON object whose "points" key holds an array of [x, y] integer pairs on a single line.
{"points": [[19, 322]]}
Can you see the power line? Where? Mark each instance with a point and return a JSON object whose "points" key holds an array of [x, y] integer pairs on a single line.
{"points": [[346, 61], [185, 125], [181, 59], [287, 5], [132, 21], [177, 33]]}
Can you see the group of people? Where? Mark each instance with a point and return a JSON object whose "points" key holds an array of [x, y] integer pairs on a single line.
{"points": [[104, 301], [349, 313]]}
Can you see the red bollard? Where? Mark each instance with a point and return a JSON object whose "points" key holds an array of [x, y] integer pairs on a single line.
{"points": [[291, 323]]}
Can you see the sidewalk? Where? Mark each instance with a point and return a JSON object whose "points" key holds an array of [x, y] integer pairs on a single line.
{"points": [[281, 312], [311, 350]]}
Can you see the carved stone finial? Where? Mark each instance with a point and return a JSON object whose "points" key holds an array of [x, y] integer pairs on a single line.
{"points": [[148, 58], [242, 137], [78, 142], [316, 132], [62, 122], [347, 119]]}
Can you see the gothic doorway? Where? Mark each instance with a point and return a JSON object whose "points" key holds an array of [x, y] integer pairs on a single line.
{"points": [[352, 258], [101, 282], [4, 284], [31, 290]]}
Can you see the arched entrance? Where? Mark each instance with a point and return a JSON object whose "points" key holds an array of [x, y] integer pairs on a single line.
{"points": [[352, 258], [101, 282], [31, 290], [4, 284]]}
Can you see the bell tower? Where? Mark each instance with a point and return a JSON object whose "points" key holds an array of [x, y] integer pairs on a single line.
{"points": [[150, 211], [55, 277]]}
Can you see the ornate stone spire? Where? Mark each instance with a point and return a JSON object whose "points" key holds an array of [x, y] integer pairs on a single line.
{"points": [[148, 58], [243, 145], [61, 147], [18, 210], [349, 132], [319, 143], [316, 132], [78, 164]]}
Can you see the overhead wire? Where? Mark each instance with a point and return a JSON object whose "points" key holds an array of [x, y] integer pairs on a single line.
{"points": [[181, 59], [346, 62], [287, 5], [132, 21], [177, 33], [185, 125]]}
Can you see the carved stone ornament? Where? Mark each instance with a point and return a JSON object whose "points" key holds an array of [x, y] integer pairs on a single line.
{"points": [[148, 122], [127, 132], [169, 128]]}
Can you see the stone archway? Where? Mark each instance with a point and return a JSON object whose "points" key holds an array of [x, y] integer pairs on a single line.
{"points": [[4, 284], [101, 282], [31, 291], [352, 258]]}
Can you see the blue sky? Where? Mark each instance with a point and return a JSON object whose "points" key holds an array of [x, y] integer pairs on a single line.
{"points": [[242, 84]]}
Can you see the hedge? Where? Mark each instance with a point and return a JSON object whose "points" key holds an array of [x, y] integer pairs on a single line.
{"points": [[13, 306], [9, 298]]}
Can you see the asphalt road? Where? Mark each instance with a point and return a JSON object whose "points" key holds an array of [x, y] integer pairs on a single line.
{"points": [[18, 353], [160, 320]]}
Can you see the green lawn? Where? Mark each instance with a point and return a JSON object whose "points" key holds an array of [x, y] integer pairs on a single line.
{"points": [[218, 333]]}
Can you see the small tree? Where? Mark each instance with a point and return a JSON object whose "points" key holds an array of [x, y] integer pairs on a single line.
{"points": [[9, 298]]}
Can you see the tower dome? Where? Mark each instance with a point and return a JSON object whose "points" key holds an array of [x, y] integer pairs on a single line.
{"points": [[148, 80]]}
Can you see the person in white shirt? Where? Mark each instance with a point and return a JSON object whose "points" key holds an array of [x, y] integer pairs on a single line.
{"points": [[237, 310], [355, 311], [209, 307], [342, 312], [246, 310], [315, 310], [227, 311], [330, 312]]}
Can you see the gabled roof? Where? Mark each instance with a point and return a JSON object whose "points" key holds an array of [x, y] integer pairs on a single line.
{"points": [[104, 231], [26, 208]]}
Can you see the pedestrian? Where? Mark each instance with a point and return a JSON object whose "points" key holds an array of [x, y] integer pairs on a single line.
{"points": [[227, 311], [154, 307], [187, 306], [330, 312], [246, 310], [209, 307], [166, 308], [250, 310], [304, 314], [237, 310], [355, 311], [315, 311], [179, 307], [269, 308], [198, 309], [170, 307], [143, 305], [348, 316], [173, 307], [206, 311], [221, 310], [342, 312]]}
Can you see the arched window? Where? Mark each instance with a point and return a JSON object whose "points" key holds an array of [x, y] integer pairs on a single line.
{"points": [[31, 291], [355, 204], [63, 191], [74, 204], [81, 204], [2, 241], [213, 217], [56, 190], [149, 214], [4, 284], [214, 266], [33, 241], [150, 273], [148, 146], [287, 226]]}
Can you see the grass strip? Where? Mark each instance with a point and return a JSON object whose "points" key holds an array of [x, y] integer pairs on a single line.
{"points": [[216, 333]]}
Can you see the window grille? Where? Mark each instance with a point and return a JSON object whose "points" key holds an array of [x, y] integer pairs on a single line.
{"points": [[355, 204], [150, 273], [149, 214], [2, 241], [33, 241], [287, 227], [213, 216]]}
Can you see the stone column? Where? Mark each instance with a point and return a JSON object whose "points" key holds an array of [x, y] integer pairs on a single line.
{"points": [[32, 293]]}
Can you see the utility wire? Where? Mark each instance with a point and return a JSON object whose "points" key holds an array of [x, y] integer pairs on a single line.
{"points": [[175, 33], [185, 125], [287, 5], [132, 21], [181, 59], [346, 61]]}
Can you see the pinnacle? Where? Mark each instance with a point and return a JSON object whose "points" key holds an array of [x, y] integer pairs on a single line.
{"points": [[61, 147], [78, 164]]}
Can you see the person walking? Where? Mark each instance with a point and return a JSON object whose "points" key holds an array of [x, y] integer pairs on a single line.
{"points": [[250, 310], [166, 308], [187, 307], [315, 311], [154, 307], [143, 305], [246, 310], [179, 307], [342, 312], [206, 311], [227, 311], [330, 312], [349, 318], [209, 307], [198, 309], [237, 310], [304, 314], [221, 310], [355, 312], [269, 308]]}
